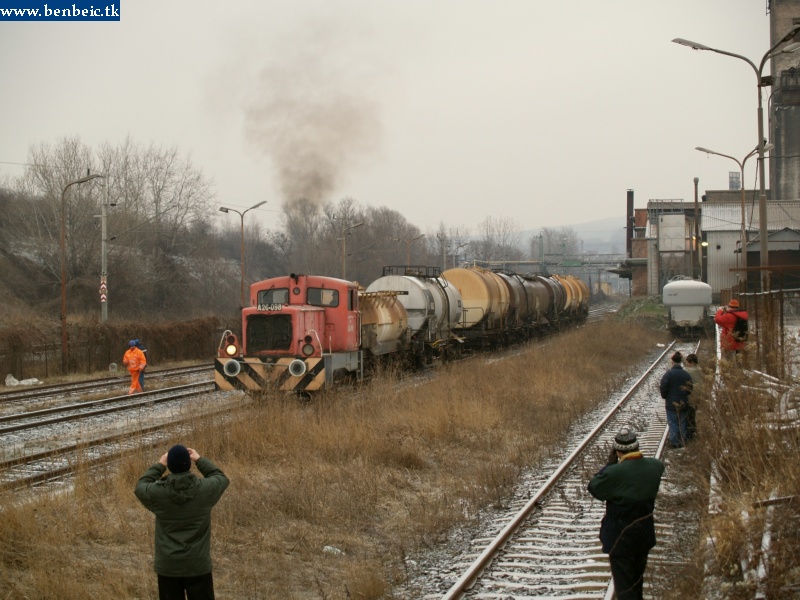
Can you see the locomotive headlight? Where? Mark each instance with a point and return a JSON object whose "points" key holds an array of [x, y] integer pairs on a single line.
{"points": [[228, 346], [308, 349]]}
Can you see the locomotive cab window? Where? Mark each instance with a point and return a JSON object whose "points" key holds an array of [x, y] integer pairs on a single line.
{"points": [[274, 296], [269, 332], [323, 297]]}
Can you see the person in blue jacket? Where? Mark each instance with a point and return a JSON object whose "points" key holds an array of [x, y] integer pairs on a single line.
{"points": [[629, 485], [675, 387], [182, 504], [138, 344]]}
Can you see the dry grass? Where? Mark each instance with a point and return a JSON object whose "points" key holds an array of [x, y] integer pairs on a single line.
{"points": [[330, 497], [753, 459]]}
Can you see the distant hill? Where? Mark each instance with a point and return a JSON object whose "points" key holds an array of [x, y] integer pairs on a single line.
{"points": [[603, 236]]}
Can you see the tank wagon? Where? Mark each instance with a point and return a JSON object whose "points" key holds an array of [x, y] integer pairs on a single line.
{"points": [[433, 306], [302, 333], [688, 302]]}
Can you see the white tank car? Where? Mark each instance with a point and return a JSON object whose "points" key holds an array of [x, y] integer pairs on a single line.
{"points": [[688, 302], [433, 306]]}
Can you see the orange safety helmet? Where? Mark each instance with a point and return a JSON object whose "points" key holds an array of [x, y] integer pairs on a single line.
{"points": [[733, 303]]}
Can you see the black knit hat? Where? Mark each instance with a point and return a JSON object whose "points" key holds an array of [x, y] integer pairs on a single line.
{"points": [[178, 460], [626, 441]]}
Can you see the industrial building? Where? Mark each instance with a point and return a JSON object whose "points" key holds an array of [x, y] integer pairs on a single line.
{"points": [[702, 239]]}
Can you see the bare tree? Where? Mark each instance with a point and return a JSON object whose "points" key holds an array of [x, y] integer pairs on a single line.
{"points": [[497, 240], [39, 225], [159, 196], [303, 227], [555, 243], [449, 245]]}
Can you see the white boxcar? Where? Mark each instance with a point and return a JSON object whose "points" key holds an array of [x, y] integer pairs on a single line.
{"points": [[688, 301]]}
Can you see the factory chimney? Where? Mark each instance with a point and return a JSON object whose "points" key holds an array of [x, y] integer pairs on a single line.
{"points": [[629, 221]]}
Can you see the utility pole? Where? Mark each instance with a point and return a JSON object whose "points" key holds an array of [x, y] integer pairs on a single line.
{"points": [[408, 247], [63, 249], [104, 254], [696, 239], [345, 233]]}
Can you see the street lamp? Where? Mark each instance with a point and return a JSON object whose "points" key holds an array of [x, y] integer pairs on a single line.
{"points": [[345, 231], [241, 251], [703, 246], [760, 82], [63, 248], [696, 240], [455, 252], [408, 247], [743, 243]]}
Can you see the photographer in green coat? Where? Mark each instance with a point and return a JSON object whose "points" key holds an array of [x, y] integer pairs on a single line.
{"points": [[628, 484], [182, 504]]}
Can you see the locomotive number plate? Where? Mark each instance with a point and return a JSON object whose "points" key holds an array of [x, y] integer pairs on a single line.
{"points": [[270, 307]]}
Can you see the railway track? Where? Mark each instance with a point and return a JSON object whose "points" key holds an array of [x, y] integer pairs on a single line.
{"points": [[82, 410], [599, 313], [49, 444], [54, 466], [547, 544], [61, 390]]}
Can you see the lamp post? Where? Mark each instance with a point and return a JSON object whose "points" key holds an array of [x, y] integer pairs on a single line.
{"points": [[443, 241], [241, 250], [703, 246], [345, 231], [63, 248], [696, 237], [455, 253], [408, 247], [760, 82], [741, 163]]}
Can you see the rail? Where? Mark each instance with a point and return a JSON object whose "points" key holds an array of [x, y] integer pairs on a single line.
{"points": [[655, 439]]}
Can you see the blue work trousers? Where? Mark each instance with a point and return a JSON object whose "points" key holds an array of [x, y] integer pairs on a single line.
{"points": [[676, 419]]}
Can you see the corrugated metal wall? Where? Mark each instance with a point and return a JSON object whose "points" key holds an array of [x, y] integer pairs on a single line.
{"points": [[721, 259], [653, 271]]}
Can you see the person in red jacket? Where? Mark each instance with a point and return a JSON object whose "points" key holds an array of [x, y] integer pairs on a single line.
{"points": [[134, 361], [726, 318]]}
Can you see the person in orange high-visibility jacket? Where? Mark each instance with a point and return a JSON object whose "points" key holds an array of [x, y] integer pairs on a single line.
{"points": [[134, 360], [726, 318]]}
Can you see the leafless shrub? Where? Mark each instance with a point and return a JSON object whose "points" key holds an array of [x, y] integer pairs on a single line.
{"points": [[747, 450]]}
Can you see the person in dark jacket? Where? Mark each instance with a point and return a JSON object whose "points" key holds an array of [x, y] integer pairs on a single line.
{"points": [[182, 505], [629, 485], [675, 387], [693, 368]]}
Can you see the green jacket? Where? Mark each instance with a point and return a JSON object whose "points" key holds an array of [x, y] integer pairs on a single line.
{"points": [[182, 505], [629, 489]]}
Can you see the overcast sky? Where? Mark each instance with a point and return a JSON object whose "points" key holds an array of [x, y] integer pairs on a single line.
{"points": [[449, 111]]}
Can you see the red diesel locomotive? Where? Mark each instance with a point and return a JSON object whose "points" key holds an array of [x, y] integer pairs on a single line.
{"points": [[303, 333]]}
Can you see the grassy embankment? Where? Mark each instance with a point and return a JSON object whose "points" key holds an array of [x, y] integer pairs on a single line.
{"points": [[328, 499]]}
